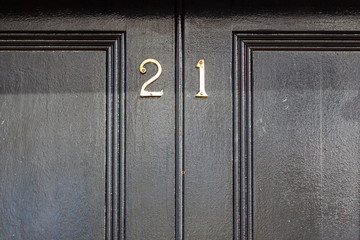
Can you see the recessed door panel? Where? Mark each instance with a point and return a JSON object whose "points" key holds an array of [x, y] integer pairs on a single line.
{"points": [[301, 135], [56, 110], [76, 65]]}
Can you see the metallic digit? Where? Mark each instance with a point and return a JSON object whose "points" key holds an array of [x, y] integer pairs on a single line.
{"points": [[201, 66], [143, 92]]}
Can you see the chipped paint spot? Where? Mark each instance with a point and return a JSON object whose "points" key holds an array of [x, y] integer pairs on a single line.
{"points": [[263, 128]]}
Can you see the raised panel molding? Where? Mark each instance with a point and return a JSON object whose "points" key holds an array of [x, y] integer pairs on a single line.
{"points": [[244, 44], [114, 45]]}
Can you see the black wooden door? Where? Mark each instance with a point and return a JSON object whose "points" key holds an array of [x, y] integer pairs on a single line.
{"points": [[82, 155], [271, 153]]}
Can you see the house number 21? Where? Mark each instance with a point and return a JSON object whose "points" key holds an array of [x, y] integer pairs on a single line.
{"points": [[144, 93]]}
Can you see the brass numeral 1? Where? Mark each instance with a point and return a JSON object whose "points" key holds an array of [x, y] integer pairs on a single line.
{"points": [[143, 92], [201, 66]]}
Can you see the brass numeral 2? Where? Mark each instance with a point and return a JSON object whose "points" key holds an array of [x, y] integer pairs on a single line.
{"points": [[143, 92]]}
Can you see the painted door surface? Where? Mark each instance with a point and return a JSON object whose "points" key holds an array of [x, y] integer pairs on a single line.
{"points": [[271, 153], [80, 149]]}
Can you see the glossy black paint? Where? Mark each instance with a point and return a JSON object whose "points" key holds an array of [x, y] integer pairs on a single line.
{"points": [[305, 158], [271, 154], [259, 191], [62, 108], [55, 157]]}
